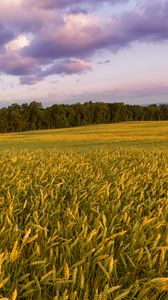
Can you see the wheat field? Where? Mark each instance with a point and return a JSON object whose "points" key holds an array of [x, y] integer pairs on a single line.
{"points": [[84, 213]]}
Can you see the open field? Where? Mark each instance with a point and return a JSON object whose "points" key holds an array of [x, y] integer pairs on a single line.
{"points": [[131, 133], [84, 213]]}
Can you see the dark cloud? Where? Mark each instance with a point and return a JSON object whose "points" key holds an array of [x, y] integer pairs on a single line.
{"points": [[68, 66], [104, 62], [52, 4], [77, 10], [6, 34]]}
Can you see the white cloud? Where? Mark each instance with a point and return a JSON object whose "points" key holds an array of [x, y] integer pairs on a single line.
{"points": [[20, 42]]}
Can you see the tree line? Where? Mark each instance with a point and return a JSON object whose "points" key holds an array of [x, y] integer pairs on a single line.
{"points": [[34, 116]]}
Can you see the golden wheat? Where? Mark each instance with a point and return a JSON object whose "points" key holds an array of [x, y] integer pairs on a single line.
{"points": [[84, 222]]}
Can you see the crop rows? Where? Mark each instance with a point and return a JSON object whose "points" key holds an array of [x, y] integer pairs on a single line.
{"points": [[89, 225]]}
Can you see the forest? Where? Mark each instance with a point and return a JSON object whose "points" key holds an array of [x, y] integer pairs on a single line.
{"points": [[33, 116]]}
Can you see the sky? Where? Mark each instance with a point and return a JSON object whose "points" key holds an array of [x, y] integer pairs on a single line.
{"points": [[68, 51]]}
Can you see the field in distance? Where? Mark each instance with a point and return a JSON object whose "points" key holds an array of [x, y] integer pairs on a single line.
{"points": [[142, 133], [84, 213]]}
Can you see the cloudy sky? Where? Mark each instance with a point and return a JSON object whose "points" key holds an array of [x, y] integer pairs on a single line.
{"points": [[67, 51]]}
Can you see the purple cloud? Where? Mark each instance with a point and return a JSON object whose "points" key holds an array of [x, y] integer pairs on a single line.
{"points": [[14, 64], [6, 34], [30, 79], [60, 42], [76, 39], [77, 10], [68, 66], [61, 67], [52, 4], [70, 40]]}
